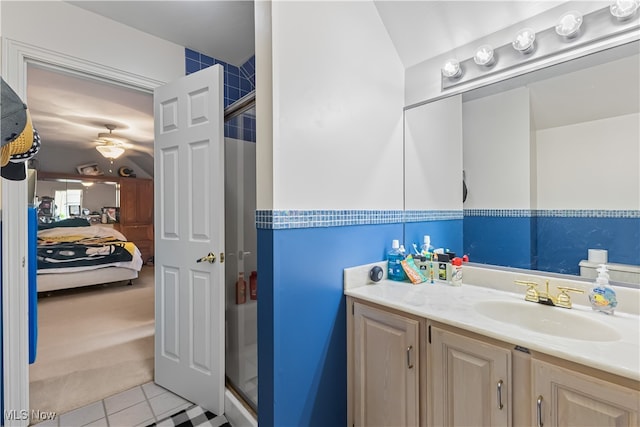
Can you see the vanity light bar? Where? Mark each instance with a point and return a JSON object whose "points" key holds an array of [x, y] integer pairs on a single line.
{"points": [[572, 30]]}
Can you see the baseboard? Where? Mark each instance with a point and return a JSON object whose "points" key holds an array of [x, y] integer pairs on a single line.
{"points": [[236, 413]]}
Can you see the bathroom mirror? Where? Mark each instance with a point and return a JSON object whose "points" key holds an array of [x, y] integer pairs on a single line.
{"points": [[551, 162]]}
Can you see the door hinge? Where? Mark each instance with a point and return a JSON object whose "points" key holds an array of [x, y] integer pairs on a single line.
{"points": [[429, 334]]}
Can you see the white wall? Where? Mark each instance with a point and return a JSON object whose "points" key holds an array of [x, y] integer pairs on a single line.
{"points": [[496, 151], [264, 105], [67, 29], [591, 165], [337, 107], [433, 155]]}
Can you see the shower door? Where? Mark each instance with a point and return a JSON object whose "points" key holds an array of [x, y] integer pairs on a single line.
{"points": [[241, 249]]}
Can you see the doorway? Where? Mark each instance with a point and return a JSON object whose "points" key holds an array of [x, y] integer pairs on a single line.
{"points": [[251, 213]]}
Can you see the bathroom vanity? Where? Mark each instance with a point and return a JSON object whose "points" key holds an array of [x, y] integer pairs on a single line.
{"points": [[437, 355]]}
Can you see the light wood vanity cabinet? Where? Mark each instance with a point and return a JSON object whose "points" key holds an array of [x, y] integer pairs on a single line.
{"points": [[469, 380], [404, 370], [385, 371], [567, 398]]}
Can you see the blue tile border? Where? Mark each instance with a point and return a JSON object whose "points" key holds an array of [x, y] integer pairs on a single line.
{"points": [[287, 219], [555, 213], [432, 215], [513, 213]]}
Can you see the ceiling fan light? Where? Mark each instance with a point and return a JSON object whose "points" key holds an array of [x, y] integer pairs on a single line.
{"points": [[110, 151], [109, 137]]}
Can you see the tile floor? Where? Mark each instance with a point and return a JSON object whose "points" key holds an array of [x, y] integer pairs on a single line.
{"points": [[139, 406]]}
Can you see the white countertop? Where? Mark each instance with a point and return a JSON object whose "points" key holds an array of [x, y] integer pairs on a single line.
{"points": [[455, 306]]}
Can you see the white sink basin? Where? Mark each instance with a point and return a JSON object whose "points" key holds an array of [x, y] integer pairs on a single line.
{"points": [[556, 321]]}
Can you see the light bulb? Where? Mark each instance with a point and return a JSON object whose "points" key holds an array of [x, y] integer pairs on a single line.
{"points": [[452, 69], [484, 56], [524, 40], [569, 24], [624, 9]]}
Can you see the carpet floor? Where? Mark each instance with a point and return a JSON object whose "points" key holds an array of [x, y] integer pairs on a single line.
{"points": [[93, 342]]}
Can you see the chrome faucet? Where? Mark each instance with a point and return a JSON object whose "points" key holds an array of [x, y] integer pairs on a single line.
{"points": [[561, 300]]}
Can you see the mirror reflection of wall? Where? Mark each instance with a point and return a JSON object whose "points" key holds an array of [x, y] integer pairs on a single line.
{"points": [[553, 169], [552, 166]]}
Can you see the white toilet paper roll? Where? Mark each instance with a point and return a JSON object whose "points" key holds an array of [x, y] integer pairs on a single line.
{"points": [[599, 256]]}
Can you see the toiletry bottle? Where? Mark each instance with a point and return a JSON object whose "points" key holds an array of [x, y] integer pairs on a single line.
{"points": [[394, 259], [602, 296], [456, 274], [434, 257], [426, 246], [241, 289], [253, 285]]}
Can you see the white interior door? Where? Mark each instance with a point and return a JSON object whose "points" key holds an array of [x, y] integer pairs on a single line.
{"points": [[189, 208]]}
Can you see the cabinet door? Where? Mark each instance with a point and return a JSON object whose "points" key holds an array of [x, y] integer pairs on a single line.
{"points": [[144, 205], [565, 398], [136, 201], [386, 355], [470, 381], [128, 201]]}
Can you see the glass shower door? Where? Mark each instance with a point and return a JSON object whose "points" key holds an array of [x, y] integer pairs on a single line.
{"points": [[241, 263]]}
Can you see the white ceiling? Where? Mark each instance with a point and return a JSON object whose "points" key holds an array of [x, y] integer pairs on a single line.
{"points": [[221, 29], [68, 110], [422, 30]]}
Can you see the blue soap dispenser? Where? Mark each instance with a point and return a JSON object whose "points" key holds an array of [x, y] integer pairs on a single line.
{"points": [[602, 296]]}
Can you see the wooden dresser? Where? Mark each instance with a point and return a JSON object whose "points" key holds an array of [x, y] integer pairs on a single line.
{"points": [[136, 214]]}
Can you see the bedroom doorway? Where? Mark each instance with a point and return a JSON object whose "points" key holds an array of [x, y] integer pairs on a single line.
{"points": [[98, 340], [245, 349]]}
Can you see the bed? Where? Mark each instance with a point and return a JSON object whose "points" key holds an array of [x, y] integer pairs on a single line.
{"points": [[71, 256]]}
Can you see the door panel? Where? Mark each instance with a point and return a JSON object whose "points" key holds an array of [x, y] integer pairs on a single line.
{"points": [[189, 153]]}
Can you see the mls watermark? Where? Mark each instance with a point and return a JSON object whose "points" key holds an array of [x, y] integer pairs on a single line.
{"points": [[33, 415]]}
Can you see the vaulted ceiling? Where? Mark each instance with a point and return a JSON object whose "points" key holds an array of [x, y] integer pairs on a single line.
{"points": [[225, 30]]}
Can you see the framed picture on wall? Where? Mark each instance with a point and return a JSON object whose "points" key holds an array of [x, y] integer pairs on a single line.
{"points": [[90, 169], [112, 213]]}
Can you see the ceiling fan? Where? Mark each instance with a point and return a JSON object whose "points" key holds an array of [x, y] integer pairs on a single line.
{"points": [[109, 145]]}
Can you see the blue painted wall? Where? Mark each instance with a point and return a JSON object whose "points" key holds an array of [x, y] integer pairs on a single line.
{"points": [[550, 243], [564, 242], [302, 359], [445, 234], [508, 241], [1, 342]]}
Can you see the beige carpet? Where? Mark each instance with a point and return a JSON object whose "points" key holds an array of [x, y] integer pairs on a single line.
{"points": [[92, 343]]}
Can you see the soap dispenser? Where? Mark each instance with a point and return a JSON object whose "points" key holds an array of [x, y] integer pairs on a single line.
{"points": [[602, 296]]}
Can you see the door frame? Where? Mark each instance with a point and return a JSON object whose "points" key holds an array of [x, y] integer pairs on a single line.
{"points": [[15, 351]]}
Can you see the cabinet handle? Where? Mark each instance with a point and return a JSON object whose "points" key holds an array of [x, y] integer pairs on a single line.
{"points": [[500, 405], [539, 405], [409, 364]]}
